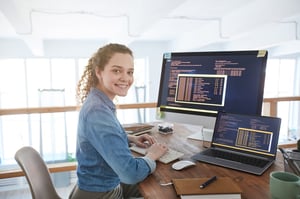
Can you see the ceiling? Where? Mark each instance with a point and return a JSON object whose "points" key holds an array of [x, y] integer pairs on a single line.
{"points": [[185, 24]]}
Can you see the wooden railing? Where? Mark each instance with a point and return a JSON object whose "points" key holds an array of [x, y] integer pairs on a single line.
{"points": [[53, 168], [64, 166], [271, 105], [273, 102], [16, 111], [272, 111]]}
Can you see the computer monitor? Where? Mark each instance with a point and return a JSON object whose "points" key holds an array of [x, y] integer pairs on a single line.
{"points": [[194, 86]]}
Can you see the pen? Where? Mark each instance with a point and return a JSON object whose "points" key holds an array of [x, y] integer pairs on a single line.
{"points": [[208, 182]]}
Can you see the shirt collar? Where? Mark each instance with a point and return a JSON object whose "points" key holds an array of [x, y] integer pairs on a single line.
{"points": [[103, 98]]}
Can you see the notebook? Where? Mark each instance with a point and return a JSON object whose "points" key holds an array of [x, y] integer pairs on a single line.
{"points": [[223, 187], [243, 142], [137, 128]]}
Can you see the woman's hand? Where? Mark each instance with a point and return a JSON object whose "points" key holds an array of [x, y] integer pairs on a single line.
{"points": [[143, 140], [156, 150]]}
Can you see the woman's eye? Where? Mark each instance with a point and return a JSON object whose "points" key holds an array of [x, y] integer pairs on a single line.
{"points": [[117, 71], [130, 73]]}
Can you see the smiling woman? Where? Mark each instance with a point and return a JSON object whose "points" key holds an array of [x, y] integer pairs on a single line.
{"points": [[106, 167]]}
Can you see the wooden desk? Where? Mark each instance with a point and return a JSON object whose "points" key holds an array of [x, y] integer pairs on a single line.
{"points": [[253, 187]]}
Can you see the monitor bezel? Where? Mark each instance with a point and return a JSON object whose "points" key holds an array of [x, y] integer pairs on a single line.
{"points": [[259, 53]]}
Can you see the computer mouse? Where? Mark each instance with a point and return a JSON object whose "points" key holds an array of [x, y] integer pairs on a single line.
{"points": [[182, 164]]}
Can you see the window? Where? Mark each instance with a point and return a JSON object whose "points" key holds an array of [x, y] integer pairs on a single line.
{"points": [[24, 82], [39, 82], [12, 83], [282, 79], [35, 83]]}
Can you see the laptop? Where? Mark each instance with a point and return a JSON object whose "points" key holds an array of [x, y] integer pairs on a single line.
{"points": [[243, 142]]}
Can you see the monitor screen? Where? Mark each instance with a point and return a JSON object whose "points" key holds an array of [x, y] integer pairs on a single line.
{"points": [[203, 83]]}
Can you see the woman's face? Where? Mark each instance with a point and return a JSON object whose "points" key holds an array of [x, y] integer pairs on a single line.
{"points": [[117, 76]]}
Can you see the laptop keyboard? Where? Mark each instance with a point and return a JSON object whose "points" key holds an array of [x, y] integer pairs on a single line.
{"points": [[239, 158]]}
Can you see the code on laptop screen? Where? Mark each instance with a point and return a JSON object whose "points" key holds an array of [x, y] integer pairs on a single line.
{"points": [[257, 134]]}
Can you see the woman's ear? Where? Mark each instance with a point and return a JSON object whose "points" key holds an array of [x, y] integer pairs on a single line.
{"points": [[98, 73]]}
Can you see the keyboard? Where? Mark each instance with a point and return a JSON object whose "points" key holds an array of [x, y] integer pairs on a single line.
{"points": [[168, 157], [239, 158]]}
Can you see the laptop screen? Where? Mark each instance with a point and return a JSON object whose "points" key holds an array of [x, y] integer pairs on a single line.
{"points": [[248, 133]]}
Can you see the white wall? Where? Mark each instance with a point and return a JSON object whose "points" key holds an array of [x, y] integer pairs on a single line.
{"points": [[12, 48], [152, 51]]}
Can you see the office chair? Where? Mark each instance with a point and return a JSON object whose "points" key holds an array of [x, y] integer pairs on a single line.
{"points": [[291, 161], [36, 173]]}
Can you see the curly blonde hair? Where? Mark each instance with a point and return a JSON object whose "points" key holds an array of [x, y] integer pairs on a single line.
{"points": [[99, 59]]}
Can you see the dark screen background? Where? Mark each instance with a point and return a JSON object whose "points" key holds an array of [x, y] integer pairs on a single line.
{"points": [[245, 72]]}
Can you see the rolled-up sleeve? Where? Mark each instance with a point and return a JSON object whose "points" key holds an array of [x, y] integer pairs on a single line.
{"points": [[151, 163]]}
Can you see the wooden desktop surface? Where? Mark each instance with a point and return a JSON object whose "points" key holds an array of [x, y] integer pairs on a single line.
{"points": [[253, 186]]}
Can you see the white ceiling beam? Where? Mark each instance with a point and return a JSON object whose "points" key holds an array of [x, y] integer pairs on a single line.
{"points": [[246, 27], [143, 14], [18, 16], [286, 49], [20, 19], [255, 14], [203, 36], [265, 37], [35, 44]]}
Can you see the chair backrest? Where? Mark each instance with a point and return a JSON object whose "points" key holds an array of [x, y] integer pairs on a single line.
{"points": [[291, 161], [37, 173]]}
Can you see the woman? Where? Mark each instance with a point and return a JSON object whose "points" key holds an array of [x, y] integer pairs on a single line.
{"points": [[106, 167]]}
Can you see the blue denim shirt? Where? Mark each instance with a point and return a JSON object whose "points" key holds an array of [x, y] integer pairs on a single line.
{"points": [[102, 151]]}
